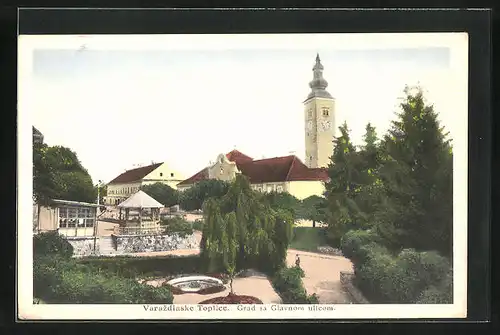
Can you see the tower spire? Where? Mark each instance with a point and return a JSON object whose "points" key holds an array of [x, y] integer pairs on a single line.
{"points": [[319, 84]]}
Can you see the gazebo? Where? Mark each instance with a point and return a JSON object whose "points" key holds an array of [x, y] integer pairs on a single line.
{"points": [[140, 213]]}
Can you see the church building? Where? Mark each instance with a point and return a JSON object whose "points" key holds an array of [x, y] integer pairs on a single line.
{"points": [[287, 173]]}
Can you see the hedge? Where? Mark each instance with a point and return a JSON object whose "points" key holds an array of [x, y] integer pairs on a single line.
{"points": [[352, 242], [288, 283], [133, 267], [410, 277], [58, 278], [51, 243]]}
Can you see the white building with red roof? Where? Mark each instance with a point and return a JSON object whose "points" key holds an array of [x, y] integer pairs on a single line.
{"points": [[130, 181], [278, 174]]}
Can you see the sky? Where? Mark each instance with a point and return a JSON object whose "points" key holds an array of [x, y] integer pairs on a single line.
{"points": [[123, 107]]}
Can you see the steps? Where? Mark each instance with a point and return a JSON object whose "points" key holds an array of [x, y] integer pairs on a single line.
{"points": [[106, 245]]}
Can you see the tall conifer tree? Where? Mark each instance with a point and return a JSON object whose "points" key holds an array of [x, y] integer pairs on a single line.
{"points": [[417, 177], [341, 186]]}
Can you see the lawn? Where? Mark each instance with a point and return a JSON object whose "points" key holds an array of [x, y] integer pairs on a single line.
{"points": [[308, 238]]}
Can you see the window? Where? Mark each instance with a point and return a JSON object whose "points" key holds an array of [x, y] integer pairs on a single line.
{"points": [[326, 112], [307, 134], [171, 175], [161, 174], [71, 217], [310, 113], [279, 188]]}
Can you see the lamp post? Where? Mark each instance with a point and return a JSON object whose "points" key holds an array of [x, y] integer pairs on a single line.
{"points": [[96, 217], [98, 190]]}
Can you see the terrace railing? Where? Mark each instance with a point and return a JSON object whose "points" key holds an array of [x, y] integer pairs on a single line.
{"points": [[138, 230]]}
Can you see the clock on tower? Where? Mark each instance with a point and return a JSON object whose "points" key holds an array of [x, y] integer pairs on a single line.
{"points": [[319, 118]]}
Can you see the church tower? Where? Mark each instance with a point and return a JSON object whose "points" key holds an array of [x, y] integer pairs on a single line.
{"points": [[319, 115]]}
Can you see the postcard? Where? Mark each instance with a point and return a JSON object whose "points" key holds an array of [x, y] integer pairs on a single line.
{"points": [[256, 176]]}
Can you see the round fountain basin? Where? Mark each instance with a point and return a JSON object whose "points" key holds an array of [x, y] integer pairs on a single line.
{"points": [[194, 283]]}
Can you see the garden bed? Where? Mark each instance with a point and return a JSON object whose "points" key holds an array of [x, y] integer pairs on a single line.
{"points": [[233, 299]]}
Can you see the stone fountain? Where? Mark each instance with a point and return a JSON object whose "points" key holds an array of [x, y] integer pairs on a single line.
{"points": [[193, 284]]}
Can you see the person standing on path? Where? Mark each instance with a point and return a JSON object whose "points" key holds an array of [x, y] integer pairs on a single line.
{"points": [[297, 261]]}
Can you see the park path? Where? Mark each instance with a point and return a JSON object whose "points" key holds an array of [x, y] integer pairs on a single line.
{"points": [[322, 272], [322, 275]]}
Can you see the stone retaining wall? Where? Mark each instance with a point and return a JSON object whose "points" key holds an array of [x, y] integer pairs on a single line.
{"points": [[346, 279], [150, 243], [83, 246]]}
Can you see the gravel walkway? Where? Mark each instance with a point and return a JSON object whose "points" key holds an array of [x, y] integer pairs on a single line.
{"points": [[322, 275]]}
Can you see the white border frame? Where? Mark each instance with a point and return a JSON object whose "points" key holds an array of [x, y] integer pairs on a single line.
{"points": [[456, 42]]}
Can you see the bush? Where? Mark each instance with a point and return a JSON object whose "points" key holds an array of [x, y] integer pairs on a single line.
{"points": [[441, 294], [47, 274], [288, 283], [411, 277], [352, 242], [173, 289], [374, 276], [416, 272], [198, 225], [59, 280], [51, 243], [313, 299], [177, 225], [132, 267]]}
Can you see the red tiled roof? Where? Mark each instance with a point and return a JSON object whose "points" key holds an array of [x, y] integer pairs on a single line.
{"points": [[238, 157], [135, 174], [277, 169], [201, 175], [280, 169]]}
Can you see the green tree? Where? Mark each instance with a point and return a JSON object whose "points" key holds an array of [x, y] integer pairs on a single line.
{"points": [[163, 193], [241, 230], [341, 186], [103, 191], [194, 197], [283, 201], [58, 174], [314, 208], [417, 177], [75, 186], [44, 185], [368, 184], [72, 181]]}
